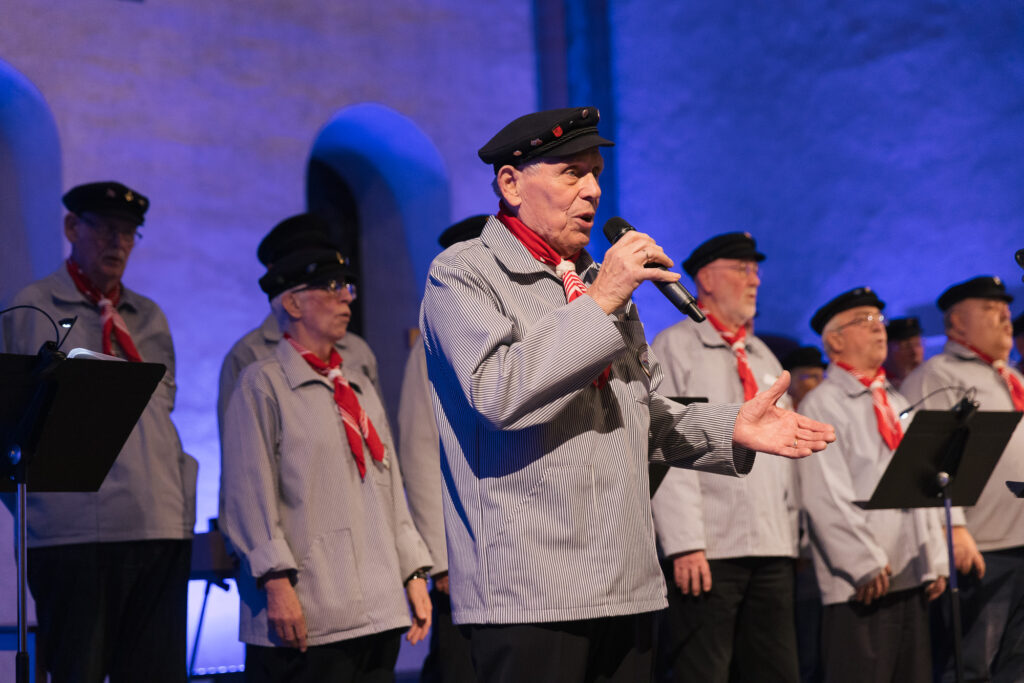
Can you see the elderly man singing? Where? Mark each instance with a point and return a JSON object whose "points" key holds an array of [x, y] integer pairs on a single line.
{"points": [[545, 393]]}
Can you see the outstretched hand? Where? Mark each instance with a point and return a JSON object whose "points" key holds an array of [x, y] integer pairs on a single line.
{"points": [[763, 426]]}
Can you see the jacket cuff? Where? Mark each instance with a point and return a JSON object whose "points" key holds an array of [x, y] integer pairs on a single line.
{"points": [[272, 556]]}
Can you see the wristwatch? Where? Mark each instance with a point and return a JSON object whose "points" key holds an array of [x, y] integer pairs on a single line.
{"points": [[420, 573]]}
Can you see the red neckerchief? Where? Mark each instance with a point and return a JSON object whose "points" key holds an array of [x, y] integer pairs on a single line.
{"points": [[564, 268], [112, 321], [739, 348], [888, 424], [1013, 385], [357, 424]]}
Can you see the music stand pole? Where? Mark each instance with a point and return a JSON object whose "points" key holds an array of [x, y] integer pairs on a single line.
{"points": [[21, 664], [944, 480]]}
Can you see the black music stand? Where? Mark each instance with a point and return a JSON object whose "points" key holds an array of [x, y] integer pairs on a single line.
{"points": [[56, 435], [656, 471], [945, 459]]}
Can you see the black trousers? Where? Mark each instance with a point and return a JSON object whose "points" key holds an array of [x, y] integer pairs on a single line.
{"points": [[112, 609], [884, 642], [449, 659], [367, 659], [741, 630], [992, 614], [606, 650]]}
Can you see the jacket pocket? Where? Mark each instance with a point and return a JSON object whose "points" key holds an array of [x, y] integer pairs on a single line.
{"points": [[543, 557], [330, 587]]}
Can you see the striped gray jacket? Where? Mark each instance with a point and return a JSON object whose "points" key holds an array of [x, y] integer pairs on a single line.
{"points": [[755, 516], [546, 492]]}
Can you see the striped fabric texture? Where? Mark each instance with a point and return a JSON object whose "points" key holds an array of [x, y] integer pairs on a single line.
{"points": [[546, 494], [726, 517], [292, 498], [851, 545]]}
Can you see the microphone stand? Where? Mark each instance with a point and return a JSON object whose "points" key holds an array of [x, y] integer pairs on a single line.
{"points": [[964, 411], [18, 457]]}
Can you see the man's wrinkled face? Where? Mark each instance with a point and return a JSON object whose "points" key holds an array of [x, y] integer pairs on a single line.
{"points": [[100, 245], [324, 312], [984, 324], [858, 335], [556, 197], [732, 285]]}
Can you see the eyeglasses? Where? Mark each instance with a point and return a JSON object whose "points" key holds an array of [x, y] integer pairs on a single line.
{"points": [[106, 232], [866, 319], [747, 268], [338, 288]]}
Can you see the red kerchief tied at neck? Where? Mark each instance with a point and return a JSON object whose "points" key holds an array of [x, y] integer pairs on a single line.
{"points": [[737, 342], [888, 424], [1013, 384], [113, 324], [564, 268], [357, 424]]}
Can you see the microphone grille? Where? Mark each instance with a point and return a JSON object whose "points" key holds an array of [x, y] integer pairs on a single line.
{"points": [[615, 228]]}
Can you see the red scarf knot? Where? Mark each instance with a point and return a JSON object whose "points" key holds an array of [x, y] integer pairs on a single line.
{"points": [[888, 423], [357, 424], [564, 268], [737, 342], [1013, 384], [112, 322]]}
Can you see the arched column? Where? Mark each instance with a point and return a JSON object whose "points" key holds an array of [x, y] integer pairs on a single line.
{"points": [[30, 184], [400, 186]]}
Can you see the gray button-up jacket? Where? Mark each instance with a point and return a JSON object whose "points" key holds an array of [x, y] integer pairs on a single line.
{"points": [[727, 517], [997, 521], [150, 492], [260, 343], [546, 493], [851, 545], [292, 499], [420, 452]]}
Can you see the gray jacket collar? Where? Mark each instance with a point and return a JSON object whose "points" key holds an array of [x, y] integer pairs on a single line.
{"points": [[850, 384], [710, 337], [962, 352], [65, 291], [296, 370], [270, 329], [514, 257]]}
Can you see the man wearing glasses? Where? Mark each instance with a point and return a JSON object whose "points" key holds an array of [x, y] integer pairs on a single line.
{"points": [[311, 495], [301, 231], [729, 542], [988, 538], [877, 569], [109, 570]]}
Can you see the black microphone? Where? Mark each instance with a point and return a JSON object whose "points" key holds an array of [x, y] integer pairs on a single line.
{"points": [[1020, 260], [962, 393], [617, 227]]}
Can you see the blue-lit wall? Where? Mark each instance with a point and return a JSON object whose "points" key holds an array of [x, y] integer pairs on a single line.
{"points": [[862, 142]]}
